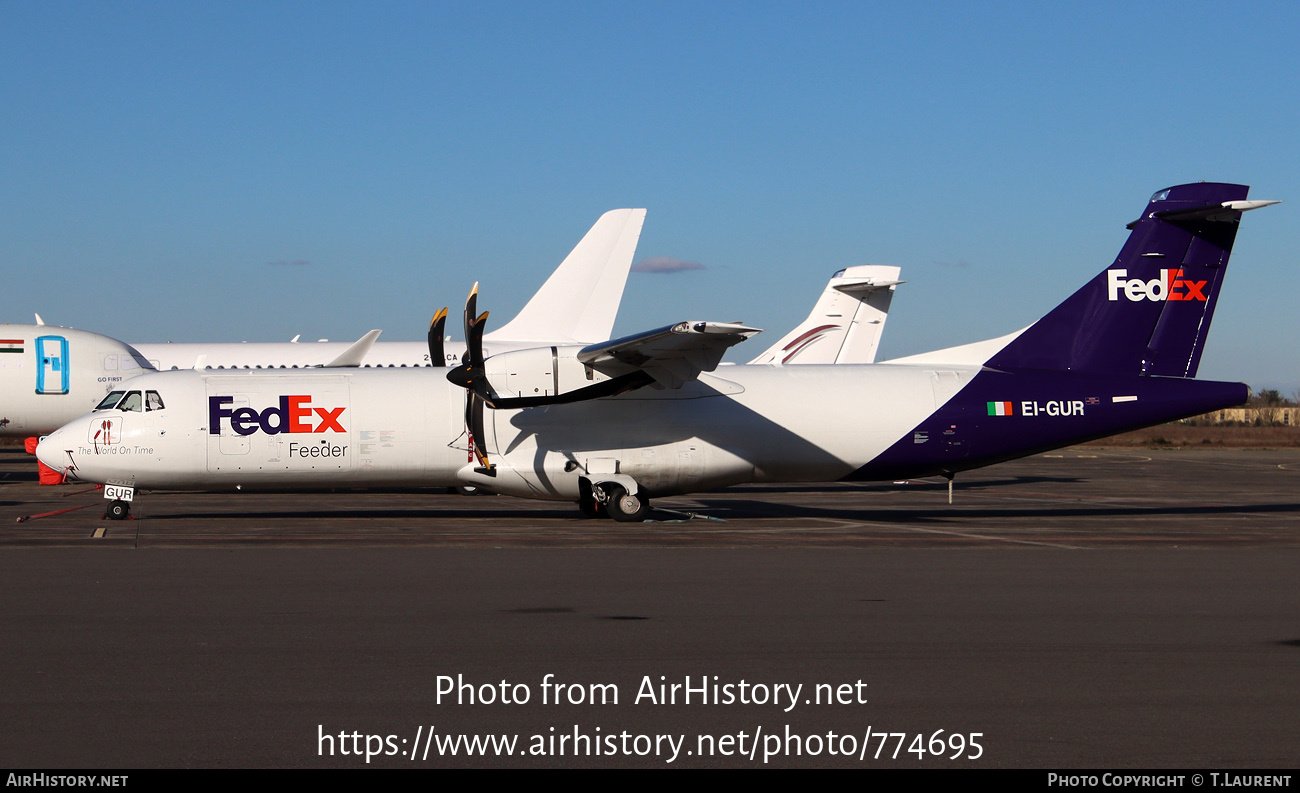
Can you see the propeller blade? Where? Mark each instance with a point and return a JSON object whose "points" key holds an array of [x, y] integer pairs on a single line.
{"points": [[474, 342], [470, 372], [474, 407], [471, 310], [436, 331]]}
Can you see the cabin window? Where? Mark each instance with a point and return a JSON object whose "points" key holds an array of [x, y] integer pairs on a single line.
{"points": [[109, 401]]}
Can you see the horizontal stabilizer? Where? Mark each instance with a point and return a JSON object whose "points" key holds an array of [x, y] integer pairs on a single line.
{"points": [[1224, 211], [865, 286]]}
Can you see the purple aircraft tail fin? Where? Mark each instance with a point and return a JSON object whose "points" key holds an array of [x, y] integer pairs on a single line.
{"points": [[1149, 312]]}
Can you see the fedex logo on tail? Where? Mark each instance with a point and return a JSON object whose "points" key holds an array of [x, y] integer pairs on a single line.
{"points": [[291, 415], [1169, 286]]}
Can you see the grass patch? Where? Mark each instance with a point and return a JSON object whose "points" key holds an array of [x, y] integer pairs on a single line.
{"points": [[1186, 436]]}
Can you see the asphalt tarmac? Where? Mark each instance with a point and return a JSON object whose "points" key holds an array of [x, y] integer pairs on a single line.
{"points": [[1081, 609]]}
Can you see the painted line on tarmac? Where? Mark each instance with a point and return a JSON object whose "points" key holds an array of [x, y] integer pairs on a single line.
{"points": [[986, 537], [1107, 501]]}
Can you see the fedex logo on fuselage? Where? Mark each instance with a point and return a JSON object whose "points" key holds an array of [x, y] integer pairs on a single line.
{"points": [[291, 415], [1169, 286]]}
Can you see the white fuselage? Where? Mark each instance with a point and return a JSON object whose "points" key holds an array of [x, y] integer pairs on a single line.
{"points": [[290, 355], [385, 427]]}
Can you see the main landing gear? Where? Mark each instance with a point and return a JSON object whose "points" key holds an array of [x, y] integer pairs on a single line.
{"points": [[612, 500], [624, 506]]}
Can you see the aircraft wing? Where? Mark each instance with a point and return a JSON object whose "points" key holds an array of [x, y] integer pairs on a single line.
{"points": [[671, 355]]}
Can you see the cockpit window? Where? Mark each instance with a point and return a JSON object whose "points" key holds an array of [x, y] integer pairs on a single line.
{"points": [[152, 401], [110, 400], [132, 402]]}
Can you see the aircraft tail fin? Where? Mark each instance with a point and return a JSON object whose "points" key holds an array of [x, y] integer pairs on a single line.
{"points": [[1149, 312], [846, 322], [580, 300], [356, 352]]}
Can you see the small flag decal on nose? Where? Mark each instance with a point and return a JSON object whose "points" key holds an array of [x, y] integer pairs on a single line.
{"points": [[1000, 409], [11, 345]]}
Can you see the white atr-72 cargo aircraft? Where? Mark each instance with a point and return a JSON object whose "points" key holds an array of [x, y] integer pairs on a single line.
{"points": [[611, 425], [50, 375]]}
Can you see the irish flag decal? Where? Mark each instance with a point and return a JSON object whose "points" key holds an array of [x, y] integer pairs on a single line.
{"points": [[1000, 409]]}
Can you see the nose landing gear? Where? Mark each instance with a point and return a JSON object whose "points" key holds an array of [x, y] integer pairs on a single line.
{"points": [[118, 510]]}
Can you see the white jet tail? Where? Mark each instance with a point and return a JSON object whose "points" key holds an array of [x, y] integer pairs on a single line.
{"points": [[580, 300], [845, 324]]}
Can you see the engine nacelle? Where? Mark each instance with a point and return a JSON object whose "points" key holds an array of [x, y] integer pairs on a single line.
{"points": [[540, 375]]}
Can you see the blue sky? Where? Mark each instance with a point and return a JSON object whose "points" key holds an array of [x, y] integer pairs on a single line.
{"points": [[161, 162]]}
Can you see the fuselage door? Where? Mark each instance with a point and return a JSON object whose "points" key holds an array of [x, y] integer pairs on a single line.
{"points": [[228, 443], [51, 365]]}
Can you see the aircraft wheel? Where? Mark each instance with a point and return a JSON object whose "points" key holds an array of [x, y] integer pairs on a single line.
{"points": [[626, 507], [118, 510]]}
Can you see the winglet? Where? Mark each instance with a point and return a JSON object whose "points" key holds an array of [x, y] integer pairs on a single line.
{"points": [[353, 355]]}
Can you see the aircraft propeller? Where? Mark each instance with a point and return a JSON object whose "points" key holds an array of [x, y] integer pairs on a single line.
{"points": [[470, 376]]}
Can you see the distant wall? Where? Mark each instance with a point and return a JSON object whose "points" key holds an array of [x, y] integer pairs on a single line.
{"points": [[1285, 416]]}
